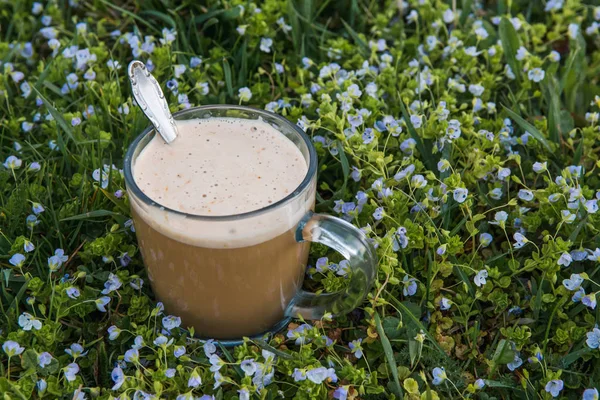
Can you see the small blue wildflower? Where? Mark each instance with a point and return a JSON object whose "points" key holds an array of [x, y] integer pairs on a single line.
{"points": [[44, 359], [75, 351], [102, 302], [170, 372], [554, 387], [28, 322], [378, 213], [17, 260], [589, 300], [409, 286], [445, 304], [565, 259], [113, 283], [439, 375], [248, 366], [118, 377], [299, 375], [515, 363], [132, 356], [179, 351], [590, 394], [70, 371], [113, 332], [356, 347], [480, 278]]}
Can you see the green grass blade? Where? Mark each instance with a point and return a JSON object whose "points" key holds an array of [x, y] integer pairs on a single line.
{"points": [[552, 99], [529, 128], [389, 356], [364, 48], [510, 45], [425, 153], [90, 215]]}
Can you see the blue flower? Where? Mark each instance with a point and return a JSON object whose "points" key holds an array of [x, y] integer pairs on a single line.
{"points": [[76, 350], [320, 374], [70, 371], [590, 394], [209, 347], [194, 381], [12, 162], [244, 394], [404, 173], [525, 195], [565, 259], [215, 362], [520, 240], [102, 302], [356, 347], [445, 304], [195, 61], [118, 377], [554, 387], [44, 359], [12, 348], [515, 363], [299, 333], [136, 283], [113, 283], [132, 356], [479, 384], [170, 372], [593, 338], [244, 94], [248, 366], [536, 74], [73, 292], [321, 264], [378, 213], [439, 375], [589, 300], [41, 385], [485, 239], [34, 166], [171, 322], [299, 375], [481, 278], [409, 286], [113, 332], [179, 351], [341, 393], [138, 342], [17, 260], [460, 194], [265, 44], [573, 283], [28, 322]]}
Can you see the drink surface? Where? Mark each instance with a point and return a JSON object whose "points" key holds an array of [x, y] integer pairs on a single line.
{"points": [[226, 278], [220, 166]]}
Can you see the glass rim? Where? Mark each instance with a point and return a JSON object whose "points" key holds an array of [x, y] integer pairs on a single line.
{"points": [[132, 186]]}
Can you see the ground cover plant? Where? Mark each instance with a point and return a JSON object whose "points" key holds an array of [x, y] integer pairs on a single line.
{"points": [[462, 138]]}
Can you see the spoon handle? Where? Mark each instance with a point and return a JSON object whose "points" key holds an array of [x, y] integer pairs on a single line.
{"points": [[151, 100]]}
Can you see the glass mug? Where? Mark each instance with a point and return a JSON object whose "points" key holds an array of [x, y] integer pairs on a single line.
{"points": [[241, 275]]}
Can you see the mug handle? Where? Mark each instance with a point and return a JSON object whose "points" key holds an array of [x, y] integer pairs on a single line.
{"points": [[351, 243]]}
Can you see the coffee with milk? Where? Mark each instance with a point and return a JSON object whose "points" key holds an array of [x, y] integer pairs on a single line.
{"points": [[233, 279]]}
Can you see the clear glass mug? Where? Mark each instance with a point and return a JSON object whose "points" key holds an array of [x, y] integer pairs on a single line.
{"points": [[241, 275]]}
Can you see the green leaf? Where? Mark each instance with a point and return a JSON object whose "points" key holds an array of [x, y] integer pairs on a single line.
{"points": [[389, 355], [391, 327], [528, 128], [29, 359], [570, 358], [551, 94], [504, 354], [228, 82], [91, 214], [265, 346], [510, 45]]}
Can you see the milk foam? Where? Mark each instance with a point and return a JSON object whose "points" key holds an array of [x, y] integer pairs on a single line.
{"points": [[222, 167]]}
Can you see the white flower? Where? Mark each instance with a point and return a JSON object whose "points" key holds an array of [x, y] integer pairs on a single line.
{"points": [[265, 44], [460, 194], [448, 16], [536, 74], [480, 278], [573, 31], [29, 322], [522, 53], [245, 94], [476, 90]]}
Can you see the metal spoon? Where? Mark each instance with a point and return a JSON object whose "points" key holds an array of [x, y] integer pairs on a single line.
{"points": [[151, 99]]}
